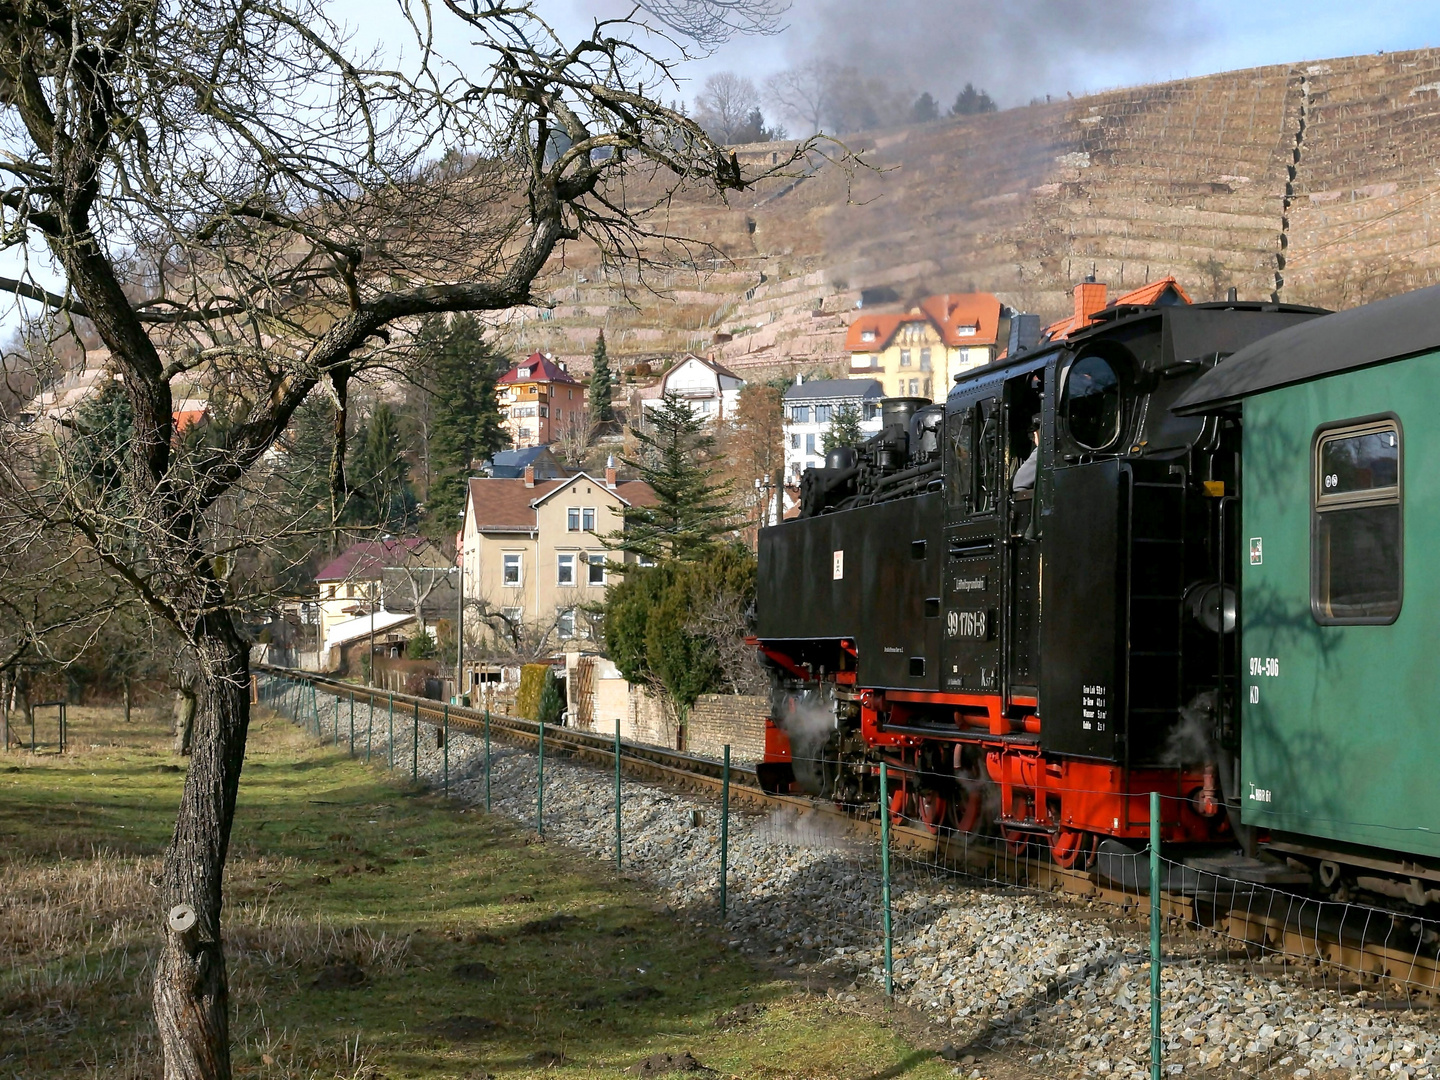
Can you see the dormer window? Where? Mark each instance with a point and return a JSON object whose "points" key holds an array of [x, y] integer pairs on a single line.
{"points": [[524, 373], [967, 331], [867, 335]]}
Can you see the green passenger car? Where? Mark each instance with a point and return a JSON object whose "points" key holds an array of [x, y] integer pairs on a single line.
{"points": [[1339, 680]]}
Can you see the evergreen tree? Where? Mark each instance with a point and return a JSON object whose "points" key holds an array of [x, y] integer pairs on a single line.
{"points": [[690, 513], [971, 101], [602, 383], [380, 475], [924, 110], [303, 496], [844, 428], [105, 426], [467, 426]]}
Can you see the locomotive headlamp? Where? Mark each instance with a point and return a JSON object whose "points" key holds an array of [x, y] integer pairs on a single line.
{"points": [[1213, 606]]}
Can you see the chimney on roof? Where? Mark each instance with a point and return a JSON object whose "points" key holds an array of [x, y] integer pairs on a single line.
{"points": [[799, 377], [529, 475], [610, 472], [1089, 298]]}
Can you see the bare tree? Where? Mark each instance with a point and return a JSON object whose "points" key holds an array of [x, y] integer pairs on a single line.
{"points": [[802, 93], [574, 437], [234, 198], [725, 105]]}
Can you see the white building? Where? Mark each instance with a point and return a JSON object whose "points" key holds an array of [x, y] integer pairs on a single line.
{"points": [[712, 390], [810, 409]]}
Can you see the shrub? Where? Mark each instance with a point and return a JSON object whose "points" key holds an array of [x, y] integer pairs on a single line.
{"points": [[532, 685]]}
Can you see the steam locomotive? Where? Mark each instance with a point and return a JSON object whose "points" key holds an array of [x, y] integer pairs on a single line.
{"points": [[1032, 647]]}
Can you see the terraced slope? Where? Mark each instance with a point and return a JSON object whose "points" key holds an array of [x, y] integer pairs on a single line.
{"points": [[1317, 179]]}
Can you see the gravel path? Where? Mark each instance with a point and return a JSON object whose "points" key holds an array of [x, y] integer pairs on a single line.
{"points": [[1058, 981]]}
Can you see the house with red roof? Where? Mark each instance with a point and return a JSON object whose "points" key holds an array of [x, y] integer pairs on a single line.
{"points": [[539, 401], [1090, 299], [350, 585], [918, 353], [533, 553]]}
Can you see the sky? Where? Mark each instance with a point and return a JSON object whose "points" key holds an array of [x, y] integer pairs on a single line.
{"points": [[1019, 49]]}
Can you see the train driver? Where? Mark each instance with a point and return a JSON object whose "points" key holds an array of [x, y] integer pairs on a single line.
{"points": [[1025, 474]]}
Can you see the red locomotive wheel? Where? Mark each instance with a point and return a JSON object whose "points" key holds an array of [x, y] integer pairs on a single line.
{"points": [[932, 810], [967, 810], [1067, 846], [899, 806], [1017, 840]]}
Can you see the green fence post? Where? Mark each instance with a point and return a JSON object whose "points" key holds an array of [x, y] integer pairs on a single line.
{"points": [[487, 759], [392, 732], [617, 794], [352, 721], [724, 828], [1155, 1047], [885, 878], [540, 786], [445, 749], [415, 745], [315, 711], [369, 726], [336, 741]]}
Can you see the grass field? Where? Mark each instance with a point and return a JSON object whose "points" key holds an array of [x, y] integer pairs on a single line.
{"points": [[371, 931]]}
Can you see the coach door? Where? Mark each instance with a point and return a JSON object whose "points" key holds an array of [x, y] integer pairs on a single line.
{"points": [[1023, 430], [974, 505]]}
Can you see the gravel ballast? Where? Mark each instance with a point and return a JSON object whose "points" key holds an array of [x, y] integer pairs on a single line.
{"points": [[1059, 981]]}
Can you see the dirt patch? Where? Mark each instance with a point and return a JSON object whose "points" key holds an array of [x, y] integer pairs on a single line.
{"points": [[659, 1064], [341, 975], [473, 971], [552, 924], [741, 1014], [463, 1028]]}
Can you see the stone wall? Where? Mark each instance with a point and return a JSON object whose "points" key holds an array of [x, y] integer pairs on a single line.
{"points": [[736, 719]]}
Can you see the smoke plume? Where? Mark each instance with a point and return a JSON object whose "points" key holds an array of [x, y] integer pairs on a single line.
{"points": [[1017, 50]]}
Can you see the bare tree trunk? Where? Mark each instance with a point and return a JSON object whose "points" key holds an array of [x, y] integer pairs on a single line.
{"points": [[128, 699], [190, 996]]}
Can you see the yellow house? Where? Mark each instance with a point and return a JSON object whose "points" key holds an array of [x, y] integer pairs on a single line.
{"points": [[533, 554], [919, 352]]}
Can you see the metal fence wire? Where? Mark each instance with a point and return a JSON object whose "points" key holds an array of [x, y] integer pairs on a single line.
{"points": [[1052, 968]]}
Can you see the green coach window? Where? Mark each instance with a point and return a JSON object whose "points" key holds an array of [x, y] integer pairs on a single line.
{"points": [[1356, 551]]}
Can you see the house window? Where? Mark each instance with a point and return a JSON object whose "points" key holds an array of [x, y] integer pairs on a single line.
{"points": [[927, 388], [1356, 553], [513, 615], [914, 387], [565, 569], [800, 414], [589, 519], [822, 414], [924, 359], [510, 569], [869, 411], [809, 444], [794, 445], [867, 335], [572, 519], [565, 625], [967, 331], [795, 471], [331, 595], [644, 560], [597, 569], [545, 410], [904, 357]]}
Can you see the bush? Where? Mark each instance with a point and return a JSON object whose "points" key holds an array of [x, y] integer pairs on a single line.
{"points": [[421, 646], [532, 685], [552, 702]]}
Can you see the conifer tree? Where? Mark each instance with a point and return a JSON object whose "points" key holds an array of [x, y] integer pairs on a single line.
{"points": [[602, 382], [691, 512], [382, 496], [844, 428], [467, 426]]}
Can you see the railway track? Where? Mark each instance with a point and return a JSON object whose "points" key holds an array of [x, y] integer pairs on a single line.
{"points": [[1384, 946]]}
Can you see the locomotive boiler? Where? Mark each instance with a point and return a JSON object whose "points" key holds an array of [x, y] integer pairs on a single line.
{"points": [[1024, 598]]}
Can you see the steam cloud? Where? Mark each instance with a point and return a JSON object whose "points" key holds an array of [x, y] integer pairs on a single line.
{"points": [[1016, 50]]}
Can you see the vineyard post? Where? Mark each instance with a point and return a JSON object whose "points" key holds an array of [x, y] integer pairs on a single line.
{"points": [[1155, 1045], [885, 879], [724, 828], [617, 794], [540, 786]]}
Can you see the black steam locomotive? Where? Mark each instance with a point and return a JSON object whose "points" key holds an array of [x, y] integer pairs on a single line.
{"points": [[1033, 645]]}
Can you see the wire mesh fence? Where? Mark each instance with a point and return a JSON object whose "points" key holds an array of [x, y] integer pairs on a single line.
{"points": [[987, 935]]}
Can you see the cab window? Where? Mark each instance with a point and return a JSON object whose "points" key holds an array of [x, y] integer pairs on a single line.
{"points": [[1356, 559]]}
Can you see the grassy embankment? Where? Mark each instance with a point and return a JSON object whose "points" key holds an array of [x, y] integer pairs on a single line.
{"points": [[371, 931]]}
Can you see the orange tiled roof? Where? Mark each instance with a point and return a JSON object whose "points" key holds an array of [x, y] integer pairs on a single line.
{"points": [[951, 314], [505, 503], [1090, 300], [541, 368]]}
